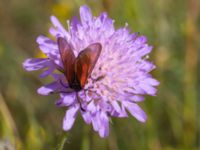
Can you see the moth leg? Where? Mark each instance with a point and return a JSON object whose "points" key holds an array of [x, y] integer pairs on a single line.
{"points": [[63, 84], [79, 101]]}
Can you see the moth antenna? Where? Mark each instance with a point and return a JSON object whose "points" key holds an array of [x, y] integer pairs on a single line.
{"points": [[57, 92], [60, 69]]}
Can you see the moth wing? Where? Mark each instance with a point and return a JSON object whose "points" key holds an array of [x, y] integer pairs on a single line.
{"points": [[67, 57], [86, 61]]}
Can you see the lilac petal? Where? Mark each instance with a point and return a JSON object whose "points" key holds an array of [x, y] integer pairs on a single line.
{"points": [[52, 53], [136, 111], [70, 117], [104, 128], [49, 88], [91, 107], [108, 27], [84, 96], [56, 23], [103, 16], [137, 98], [66, 100], [116, 106], [96, 121], [105, 106], [59, 26], [139, 90], [141, 40], [99, 22], [43, 40], [32, 64], [144, 51], [55, 32], [148, 89], [60, 77], [47, 72], [104, 24], [86, 116], [151, 81], [121, 114], [134, 35], [74, 23], [47, 49], [47, 45], [146, 66], [85, 15]]}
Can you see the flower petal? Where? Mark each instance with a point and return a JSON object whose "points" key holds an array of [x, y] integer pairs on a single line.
{"points": [[141, 40], [74, 22], [136, 111], [66, 99], [152, 81], [43, 40], [136, 98], [32, 64], [96, 121], [85, 15], [86, 116], [121, 114], [47, 72], [54, 32], [70, 117], [91, 107], [148, 89], [104, 127], [116, 106], [49, 88], [59, 27]]}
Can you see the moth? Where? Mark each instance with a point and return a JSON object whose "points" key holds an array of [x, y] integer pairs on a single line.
{"points": [[78, 69]]}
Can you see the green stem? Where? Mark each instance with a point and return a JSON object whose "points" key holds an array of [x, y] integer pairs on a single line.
{"points": [[62, 143]]}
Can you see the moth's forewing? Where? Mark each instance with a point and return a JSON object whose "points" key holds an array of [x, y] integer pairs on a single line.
{"points": [[93, 52], [82, 64], [68, 59], [86, 61]]}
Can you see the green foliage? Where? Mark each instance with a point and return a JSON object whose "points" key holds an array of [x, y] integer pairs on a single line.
{"points": [[30, 121]]}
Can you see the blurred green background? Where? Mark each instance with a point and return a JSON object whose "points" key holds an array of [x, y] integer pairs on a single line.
{"points": [[30, 121]]}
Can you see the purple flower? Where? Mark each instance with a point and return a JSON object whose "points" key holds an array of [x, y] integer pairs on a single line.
{"points": [[122, 64]]}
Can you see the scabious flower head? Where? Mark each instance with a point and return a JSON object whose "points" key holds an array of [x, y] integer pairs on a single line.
{"points": [[120, 77]]}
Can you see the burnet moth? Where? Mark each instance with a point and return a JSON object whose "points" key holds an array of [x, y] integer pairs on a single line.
{"points": [[78, 69]]}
